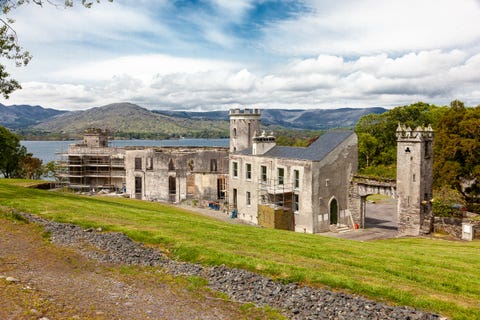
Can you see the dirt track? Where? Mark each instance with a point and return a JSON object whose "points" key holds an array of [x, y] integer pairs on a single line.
{"points": [[58, 283]]}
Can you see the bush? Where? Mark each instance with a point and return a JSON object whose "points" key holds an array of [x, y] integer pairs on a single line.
{"points": [[448, 202]]}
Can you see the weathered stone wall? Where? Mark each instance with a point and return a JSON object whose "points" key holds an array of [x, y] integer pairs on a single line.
{"points": [[453, 226], [175, 173], [330, 180]]}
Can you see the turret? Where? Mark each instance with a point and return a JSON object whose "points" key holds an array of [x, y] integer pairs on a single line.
{"points": [[414, 180], [243, 126]]}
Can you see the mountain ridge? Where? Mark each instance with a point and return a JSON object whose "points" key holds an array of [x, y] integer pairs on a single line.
{"points": [[128, 120]]}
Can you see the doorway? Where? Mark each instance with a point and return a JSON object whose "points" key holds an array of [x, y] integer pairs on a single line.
{"points": [[333, 211]]}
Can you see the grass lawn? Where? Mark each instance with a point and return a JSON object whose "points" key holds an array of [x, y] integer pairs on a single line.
{"points": [[435, 275]]}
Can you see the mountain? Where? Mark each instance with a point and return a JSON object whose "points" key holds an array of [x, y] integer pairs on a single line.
{"points": [[22, 116], [131, 121], [316, 119], [127, 120]]}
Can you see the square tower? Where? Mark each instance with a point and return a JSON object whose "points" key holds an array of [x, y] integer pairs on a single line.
{"points": [[414, 180]]}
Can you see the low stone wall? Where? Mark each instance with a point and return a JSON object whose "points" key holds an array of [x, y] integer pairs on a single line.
{"points": [[453, 226], [450, 226]]}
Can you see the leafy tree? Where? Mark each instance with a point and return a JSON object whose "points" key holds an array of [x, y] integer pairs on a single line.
{"points": [[49, 170], [457, 150], [9, 46], [31, 167], [11, 154], [377, 142]]}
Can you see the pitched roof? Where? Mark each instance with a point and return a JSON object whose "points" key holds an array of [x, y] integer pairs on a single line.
{"points": [[318, 150]]}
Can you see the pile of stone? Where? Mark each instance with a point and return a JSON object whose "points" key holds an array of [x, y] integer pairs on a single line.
{"points": [[298, 302]]}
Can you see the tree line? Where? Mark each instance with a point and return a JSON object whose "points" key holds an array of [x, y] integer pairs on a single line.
{"points": [[16, 162], [456, 170]]}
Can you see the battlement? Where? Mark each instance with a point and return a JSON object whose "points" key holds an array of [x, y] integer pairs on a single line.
{"points": [[245, 112], [418, 134]]}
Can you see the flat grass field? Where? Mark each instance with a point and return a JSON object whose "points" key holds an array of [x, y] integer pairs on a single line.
{"points": [[431, 274]]}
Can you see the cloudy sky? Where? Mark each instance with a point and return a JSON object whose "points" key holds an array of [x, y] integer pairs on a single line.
{"points": [[217, 54]]}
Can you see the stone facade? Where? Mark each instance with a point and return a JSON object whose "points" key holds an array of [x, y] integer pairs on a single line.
{"points": [[414, 180], [308, 184], [176, 173]]}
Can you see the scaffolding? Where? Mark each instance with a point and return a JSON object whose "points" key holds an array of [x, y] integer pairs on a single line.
{"points": [[85, 168], [276, 203]]}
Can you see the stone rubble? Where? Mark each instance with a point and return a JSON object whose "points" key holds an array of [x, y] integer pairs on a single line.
{"points": [[298, 302]]}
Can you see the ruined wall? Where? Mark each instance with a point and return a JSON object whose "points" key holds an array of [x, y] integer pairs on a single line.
{"points": [[175, 173]]}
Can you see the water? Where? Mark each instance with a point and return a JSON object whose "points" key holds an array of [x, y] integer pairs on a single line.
{"points": [[48, 150]]}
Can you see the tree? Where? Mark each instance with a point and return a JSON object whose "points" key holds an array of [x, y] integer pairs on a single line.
{"points": [[31, 167], [11, 154], [377, 142], [9, 46], [457, 151]]}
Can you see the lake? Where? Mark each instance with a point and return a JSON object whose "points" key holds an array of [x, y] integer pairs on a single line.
{"points": [[48, 150]]}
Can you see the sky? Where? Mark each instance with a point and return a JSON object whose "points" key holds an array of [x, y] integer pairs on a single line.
{"points": [[221, 54]]}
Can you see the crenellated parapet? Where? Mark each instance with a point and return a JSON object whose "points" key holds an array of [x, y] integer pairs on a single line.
{"points": [[405, 133], [244, 112]]}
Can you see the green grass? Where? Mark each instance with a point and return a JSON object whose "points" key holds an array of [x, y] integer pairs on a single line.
{"points": [[434, 275]]}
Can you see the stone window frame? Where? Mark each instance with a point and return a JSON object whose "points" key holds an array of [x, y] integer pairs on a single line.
{"points": [[248, 171], [263, 175], [138, 163], [235, 169], [281, 177], [296, 179], [248, 198], [296, 203]]}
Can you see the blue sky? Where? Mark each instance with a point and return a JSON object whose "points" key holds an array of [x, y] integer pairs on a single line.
{"points": [[219, 54]]}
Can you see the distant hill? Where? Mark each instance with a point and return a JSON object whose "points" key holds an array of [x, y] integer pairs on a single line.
{"points": [[23, 116], [128, 120], [316, 119]]}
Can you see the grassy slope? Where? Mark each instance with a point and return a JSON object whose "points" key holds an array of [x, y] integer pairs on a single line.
{"points": [[434, 275]]}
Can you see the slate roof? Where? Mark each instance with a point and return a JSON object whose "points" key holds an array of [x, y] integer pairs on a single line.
{"points": [[318, 150]]}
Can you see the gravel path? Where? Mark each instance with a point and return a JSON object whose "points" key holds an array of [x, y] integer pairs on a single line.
{"points": [[299, 302]]}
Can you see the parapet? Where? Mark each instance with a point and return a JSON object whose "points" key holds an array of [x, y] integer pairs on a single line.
{"points": [[420, 133], [245, 112]]}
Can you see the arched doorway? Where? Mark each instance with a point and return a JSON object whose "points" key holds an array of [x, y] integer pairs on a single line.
{"points": [[333, 211]]}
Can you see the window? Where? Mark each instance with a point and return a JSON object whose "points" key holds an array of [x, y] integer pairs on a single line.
{"points": [[295, 203], [296, 177], [263, 170], [138, 184], [213, 165], [234, 132], [235, 169], [248, 171], [138, 163], [281, 175], [248, 198], [171, 165], [149, 163]]}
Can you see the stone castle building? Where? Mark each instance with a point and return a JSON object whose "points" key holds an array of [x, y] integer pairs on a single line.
{"points": [[305, 189]]}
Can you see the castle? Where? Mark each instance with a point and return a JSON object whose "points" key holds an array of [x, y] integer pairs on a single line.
{"points": [[304, 189]]}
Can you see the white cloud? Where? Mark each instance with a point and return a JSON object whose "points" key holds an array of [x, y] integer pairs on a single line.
{"points": [[369, 26], [327, 81], [348, 53]]}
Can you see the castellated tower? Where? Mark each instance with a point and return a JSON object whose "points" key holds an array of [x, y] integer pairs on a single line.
{"points": [[414, 180], [243, 126]]}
